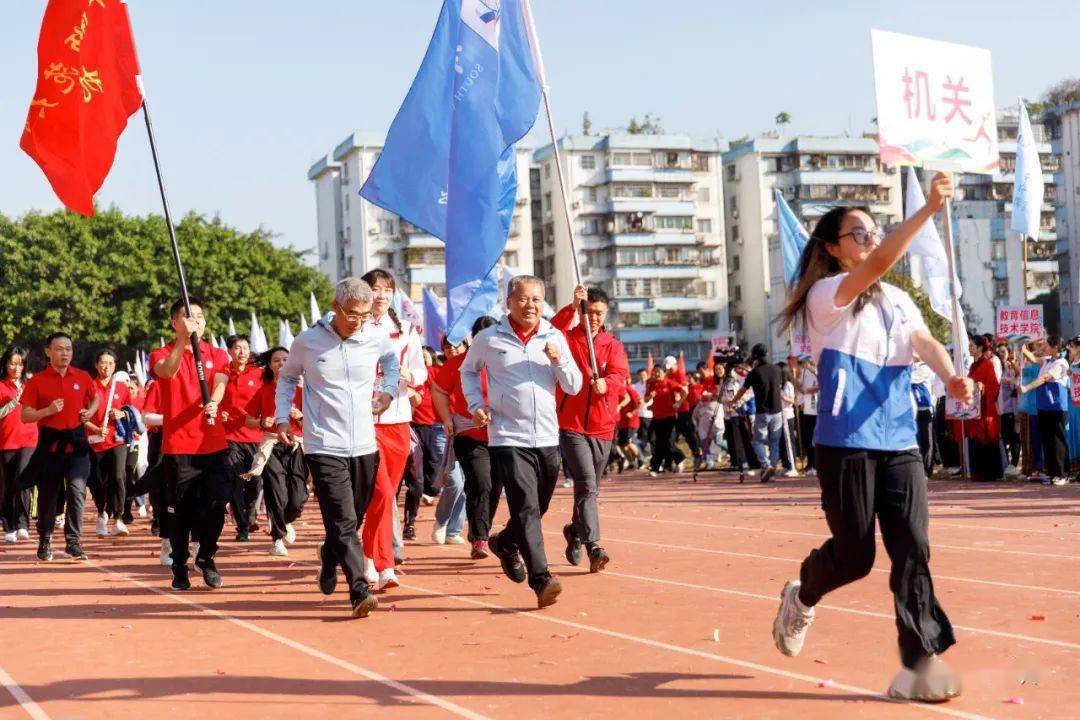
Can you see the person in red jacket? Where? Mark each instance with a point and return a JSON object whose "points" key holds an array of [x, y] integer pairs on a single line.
{"points": [[245, 381], [17, 442], [587, 420]]}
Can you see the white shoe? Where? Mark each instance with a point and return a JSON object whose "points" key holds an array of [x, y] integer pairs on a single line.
{"points": [[121, 528], [653, 473], [11, 537], [102, 525], [427, 499], [750, 473], [455, 540], [370, 573], [1012, 470], [1059, 481], [679, 467], [24, 534], [165, 556], [791, 474], [290, 533], [931, 681], [388, 579], [59, 522], [792, 622], [142, 511], [438, 534], [568, 483], [811, 472], [278, 549]]}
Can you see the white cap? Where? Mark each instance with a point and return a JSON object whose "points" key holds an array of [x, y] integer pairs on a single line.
{"points": [[670, 362]]}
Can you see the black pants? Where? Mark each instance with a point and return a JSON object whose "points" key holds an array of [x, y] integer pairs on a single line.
{"points": [[985, 460], [948, 449], [14, 503], [110, 485], [1010, 438], [645, 435], [1055, 449], [284, 488], [62, 476], [807, 424], [684, 425], [529, 476], [245, 493], [343, 488], [857, 485], [665, 454], [197, 487], [482, 487], [416, 486], [586, 457], [924, 431], [431, 458], [130, 478]]}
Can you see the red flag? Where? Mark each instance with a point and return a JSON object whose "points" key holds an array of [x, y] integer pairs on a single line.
{"points": [[682, 364], [649, 365], [710, 363], [87, 89]]}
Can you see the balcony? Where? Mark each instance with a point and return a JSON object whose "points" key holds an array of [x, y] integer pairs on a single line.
{"points": [[653, 238], [666, 175], [647, 205]]}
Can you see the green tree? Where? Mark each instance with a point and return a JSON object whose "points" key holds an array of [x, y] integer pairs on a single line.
{"points": [[649, 126], [109, 280], [586, 123], [782, 119], [939, 327]]}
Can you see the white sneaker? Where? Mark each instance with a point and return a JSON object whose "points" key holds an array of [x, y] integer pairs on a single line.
{"points": [[388, 579], [59, 522], [1059, 481], [931, 681], [102, 525], [1012, 470], [750, 473], [811, 472], [653, 473], [427, 499], [121, 528], [23, 534], [11, 537], [568, 483], [370, 573], [290, 533], [455, 540], [792, 622], [142, 511], [679, 467], [791, 474], [278, 549], [438, 534], [165, 556]]}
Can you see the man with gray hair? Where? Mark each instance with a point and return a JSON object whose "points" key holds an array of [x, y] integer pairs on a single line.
{"points": [[338, 363], [525, 357]]}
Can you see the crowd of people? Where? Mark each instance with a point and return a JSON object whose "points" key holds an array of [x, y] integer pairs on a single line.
{"points": [[357, 409]]}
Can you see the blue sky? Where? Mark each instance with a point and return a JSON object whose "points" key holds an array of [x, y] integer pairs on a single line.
{"points": [[246, 94]]}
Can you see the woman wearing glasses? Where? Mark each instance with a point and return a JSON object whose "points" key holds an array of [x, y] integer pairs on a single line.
{"points": [[864, 334]]}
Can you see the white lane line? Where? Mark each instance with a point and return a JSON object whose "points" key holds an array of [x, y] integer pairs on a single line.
{"points": [[745, 664], [822, 538], [25, 701], [307, 650]]}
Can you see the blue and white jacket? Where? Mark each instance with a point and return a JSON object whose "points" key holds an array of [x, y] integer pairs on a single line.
{"points": [[864, 368], [521, 383], [1053, 395]]}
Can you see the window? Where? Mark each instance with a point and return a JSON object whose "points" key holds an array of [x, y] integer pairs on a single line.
{"points": [[346, 202], [668, 191], [386, 226], [425, 256], [703, 194], [674, 222], [733, 204], [736, 293], [710, 320], [735, 262], [590, 194], [699, 162], [633, 191], [345, 172], [997, 250], [547, 201], [592, 226], [620, 158], [510, 257], [1001, 289], [704, 225], [735, 233], [588, 162], [547, 170]]}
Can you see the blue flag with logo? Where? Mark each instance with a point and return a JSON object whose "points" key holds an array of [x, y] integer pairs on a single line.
{"points": [[793, 238], [448, 165], [434, 320], [1027, 182]]}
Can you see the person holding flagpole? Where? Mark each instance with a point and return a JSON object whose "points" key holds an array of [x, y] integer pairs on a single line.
{"points": [[864, 335], [336, 359], [526, 358]]}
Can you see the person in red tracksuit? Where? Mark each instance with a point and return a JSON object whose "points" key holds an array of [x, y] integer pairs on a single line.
{"points": [[587, 420]]}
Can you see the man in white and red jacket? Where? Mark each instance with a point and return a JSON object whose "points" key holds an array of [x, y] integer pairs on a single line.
{"points": [[588, 418]]}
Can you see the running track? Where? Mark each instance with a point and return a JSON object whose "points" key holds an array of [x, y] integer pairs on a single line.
{"points": [[679, 626]]}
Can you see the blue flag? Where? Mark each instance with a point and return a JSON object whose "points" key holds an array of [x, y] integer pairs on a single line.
{"points": [[448, 165], [434, 320], [1027, 181], [793, 238]]}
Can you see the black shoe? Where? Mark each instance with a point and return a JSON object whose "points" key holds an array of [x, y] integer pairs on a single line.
{"points": [[573, 545], [128, 519], [598, 559], [362, 607], [548, 594], [44, 551], [511, 564], [254, 527], [242, 536], [210, 575], [767, 475], [409, 532], [73, 551], [327, 571], [180, 580], [154, 527]]}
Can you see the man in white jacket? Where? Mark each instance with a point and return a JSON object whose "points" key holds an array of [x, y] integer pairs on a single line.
{"points": [[337, 361], [525, 356]]}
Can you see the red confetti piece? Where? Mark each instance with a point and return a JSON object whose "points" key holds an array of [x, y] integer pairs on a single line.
{"points": [[1038, 618], [1013, 701]]}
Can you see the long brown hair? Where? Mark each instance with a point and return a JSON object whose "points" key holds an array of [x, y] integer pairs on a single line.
{"points": [[816, 262], [371, 277]]}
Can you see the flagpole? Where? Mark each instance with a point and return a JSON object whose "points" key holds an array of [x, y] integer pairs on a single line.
{"points": [[538, 61], [176, 256], [958, 351]]}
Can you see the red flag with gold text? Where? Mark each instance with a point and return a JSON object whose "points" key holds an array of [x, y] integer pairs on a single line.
{"points": [[87, 88]]}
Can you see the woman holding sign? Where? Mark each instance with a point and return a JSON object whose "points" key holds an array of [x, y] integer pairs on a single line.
{"points": [[863, 335]]}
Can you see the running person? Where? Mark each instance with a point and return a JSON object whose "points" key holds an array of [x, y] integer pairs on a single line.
{"points": [[525, 357], [59, 399], [245, 381], [864, 334], [17, 442], [588, 418], [109, 464], [194, 463], [337, 362]]}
